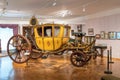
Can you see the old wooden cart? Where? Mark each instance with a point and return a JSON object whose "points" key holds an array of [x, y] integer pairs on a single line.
{"points": [[46, 39]]}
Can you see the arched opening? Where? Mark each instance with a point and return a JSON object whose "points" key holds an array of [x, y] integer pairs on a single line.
{"points": [[6, 31]]}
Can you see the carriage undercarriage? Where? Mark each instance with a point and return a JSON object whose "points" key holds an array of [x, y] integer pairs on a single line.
{"points": [[22, 51]]}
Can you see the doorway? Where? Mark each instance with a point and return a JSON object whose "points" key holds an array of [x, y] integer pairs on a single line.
{"points": [[5, 34]]}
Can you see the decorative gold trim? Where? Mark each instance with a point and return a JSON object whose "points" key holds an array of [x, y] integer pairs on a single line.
{"points": [[33, 21]]}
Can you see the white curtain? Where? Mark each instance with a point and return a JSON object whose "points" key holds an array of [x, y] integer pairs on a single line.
{"points": [[5, 34]]}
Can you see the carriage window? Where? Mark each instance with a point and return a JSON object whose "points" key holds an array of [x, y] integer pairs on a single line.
{"points": [[56, 30], [66, 32], [47, 31], [39, 30]]}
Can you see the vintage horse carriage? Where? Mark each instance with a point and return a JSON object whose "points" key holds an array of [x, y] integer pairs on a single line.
{"points": [[46, 39]]}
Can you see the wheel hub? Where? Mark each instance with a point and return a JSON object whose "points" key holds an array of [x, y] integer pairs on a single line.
{"points": [[19, 48], [78, 58]]}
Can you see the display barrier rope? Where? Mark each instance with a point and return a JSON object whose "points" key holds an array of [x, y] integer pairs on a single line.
{"points": [[108, 65]]}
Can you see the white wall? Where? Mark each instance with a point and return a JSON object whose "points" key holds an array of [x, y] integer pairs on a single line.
{"points": [[106, 23]]}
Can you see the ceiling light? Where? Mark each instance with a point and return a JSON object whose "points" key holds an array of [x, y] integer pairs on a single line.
{"points": [[64, 13], [54, 3], [83, 9]]}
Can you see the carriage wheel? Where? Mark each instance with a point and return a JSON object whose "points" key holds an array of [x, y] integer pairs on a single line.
{"points": [[19, 49], [78, 59]]}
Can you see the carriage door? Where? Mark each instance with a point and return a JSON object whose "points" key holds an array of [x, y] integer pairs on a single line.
{"points": [[66, 34], [48, 38], [57, 37]]}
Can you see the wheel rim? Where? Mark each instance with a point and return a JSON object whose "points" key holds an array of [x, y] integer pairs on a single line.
{"points": [[78, 59], [19, 49]]}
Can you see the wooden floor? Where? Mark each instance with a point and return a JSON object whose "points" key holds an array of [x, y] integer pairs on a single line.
{"points": [[55, 68]]}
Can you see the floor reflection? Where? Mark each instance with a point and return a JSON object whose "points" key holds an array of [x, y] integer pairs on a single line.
{"points": [[5, 68], [54, 68]]}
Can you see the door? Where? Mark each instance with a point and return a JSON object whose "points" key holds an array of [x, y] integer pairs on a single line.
{"points": [[38, 37], [48, 37], [66, 35], [58, 32]]}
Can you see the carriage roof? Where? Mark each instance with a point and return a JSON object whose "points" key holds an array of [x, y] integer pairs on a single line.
{"points": [[51, 24]]}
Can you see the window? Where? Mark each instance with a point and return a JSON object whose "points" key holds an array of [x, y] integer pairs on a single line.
{"points": [[39, 30], [66, 32], [47, 31], [4, 38], [56, 30]]}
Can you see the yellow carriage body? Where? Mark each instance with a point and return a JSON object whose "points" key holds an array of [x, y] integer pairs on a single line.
{"points": [[51, 36]]}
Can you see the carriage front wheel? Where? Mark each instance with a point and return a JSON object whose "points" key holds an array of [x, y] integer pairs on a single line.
{"points": [[19, 49], [78, 58]]}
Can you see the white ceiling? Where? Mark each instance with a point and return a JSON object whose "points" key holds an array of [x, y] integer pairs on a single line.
{"points": [[52, 9]]}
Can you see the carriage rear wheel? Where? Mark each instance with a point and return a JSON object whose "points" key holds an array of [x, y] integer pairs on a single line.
{"points": [[78, 59], [19, 49]]}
